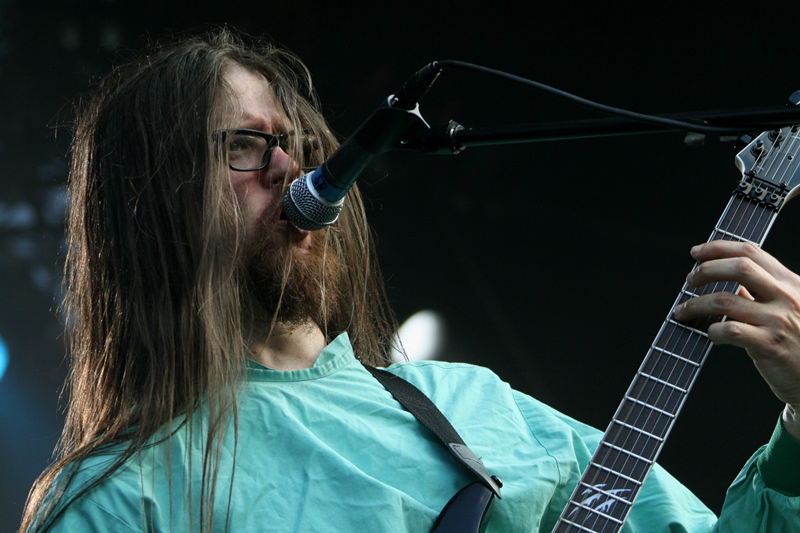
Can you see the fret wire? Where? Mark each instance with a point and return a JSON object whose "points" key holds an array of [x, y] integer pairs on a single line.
{"points": [[663, 362], [687, 341], [604, 492], [733, 215], [627, 464], [599, 475], [648, 424], [684, 326], [595, 513], [678, 360], [729, 234], [766, 216], [618, 506], [742, 215], [680, 373], [769, 215], [626, 452], [754, 229], [624, 432], [738, 221], [634, 428], [584, 528], [676, 356], [642, 419], [611, 471], [654, 408], [647, 388], [709, 288], [734, 205], [689, 293], [691, 343], [663, 382]]}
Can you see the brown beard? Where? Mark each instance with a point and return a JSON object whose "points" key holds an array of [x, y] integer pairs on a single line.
{"points": [[290, 285]]}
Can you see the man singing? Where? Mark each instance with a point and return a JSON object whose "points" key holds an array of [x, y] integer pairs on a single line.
{"points": [[218, 353]]}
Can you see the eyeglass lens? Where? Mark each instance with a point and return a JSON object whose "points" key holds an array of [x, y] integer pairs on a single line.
{"points": [[249, 152], [252, 150]]}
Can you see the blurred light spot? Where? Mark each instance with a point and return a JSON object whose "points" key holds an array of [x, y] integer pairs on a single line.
{"points": [[3, 357], [55, 169], [42, 277], [54, 205], [421, 336], [110, 36], [17, 216], [22, 248], [71, 36]]}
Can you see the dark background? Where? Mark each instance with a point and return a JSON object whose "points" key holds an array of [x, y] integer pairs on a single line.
{"points": [[552, 263]]}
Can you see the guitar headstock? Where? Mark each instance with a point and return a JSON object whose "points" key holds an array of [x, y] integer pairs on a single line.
{"points": [[770, 166]]}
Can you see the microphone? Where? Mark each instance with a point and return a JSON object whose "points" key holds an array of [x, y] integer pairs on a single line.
{"points": [[315, 200]]}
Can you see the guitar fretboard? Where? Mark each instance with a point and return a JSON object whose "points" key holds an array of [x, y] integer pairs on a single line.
{"points": [[629, 448]]}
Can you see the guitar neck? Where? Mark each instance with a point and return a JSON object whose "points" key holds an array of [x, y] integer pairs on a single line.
{"points": [[634, 438]]}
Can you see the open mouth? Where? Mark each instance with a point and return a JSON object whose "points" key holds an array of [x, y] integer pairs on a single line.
{"points": [[283, 220]]}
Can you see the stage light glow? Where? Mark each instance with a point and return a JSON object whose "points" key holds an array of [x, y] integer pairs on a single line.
{"points": [[3, 357], [421, 336]]}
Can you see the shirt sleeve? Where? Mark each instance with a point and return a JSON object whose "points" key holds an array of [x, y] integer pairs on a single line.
{"points": [[664, 505], [765, 496], [779, 463]]}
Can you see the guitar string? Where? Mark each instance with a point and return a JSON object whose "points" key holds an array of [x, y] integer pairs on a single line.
{"points": [[680, 341], [790, 140], [754, 230], [666, 371], [633, 416], [745, 234], [670, 369], [683, 367]]}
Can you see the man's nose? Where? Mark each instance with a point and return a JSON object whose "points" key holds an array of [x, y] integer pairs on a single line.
{"points": [[282, 169]]}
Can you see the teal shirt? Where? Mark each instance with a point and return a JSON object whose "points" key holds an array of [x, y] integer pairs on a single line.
{"points": [[329, 449]]}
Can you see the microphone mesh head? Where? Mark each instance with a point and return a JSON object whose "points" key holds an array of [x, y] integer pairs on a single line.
{"points": [[305, 210]]}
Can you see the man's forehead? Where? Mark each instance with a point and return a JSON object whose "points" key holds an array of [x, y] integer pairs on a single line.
{"points": [[254, 103]]}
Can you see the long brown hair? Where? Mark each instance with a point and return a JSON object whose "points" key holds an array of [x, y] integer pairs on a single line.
{"points": [[154, 294]]}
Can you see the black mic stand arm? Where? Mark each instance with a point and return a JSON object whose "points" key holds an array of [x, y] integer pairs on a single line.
{"points": [[452, 138]]}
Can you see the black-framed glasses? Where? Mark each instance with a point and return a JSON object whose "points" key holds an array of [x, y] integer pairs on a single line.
{"points": [[249, 150]]}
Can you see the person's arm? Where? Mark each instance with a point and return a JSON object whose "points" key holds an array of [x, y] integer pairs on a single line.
{"points": [[765, 496], [767, 325], [764, 319], [779, 463]]}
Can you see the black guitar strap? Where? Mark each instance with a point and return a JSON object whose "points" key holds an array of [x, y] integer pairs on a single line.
{"points": [[426, 412]]}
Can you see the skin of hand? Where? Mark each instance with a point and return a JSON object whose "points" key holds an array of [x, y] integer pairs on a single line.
{"points": [[766, 325]]}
